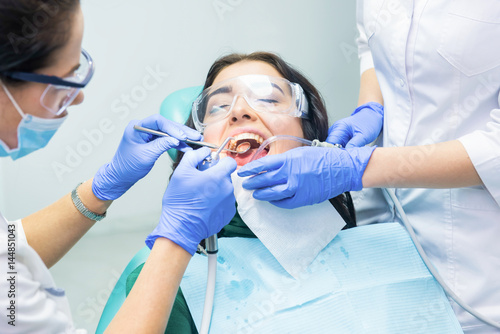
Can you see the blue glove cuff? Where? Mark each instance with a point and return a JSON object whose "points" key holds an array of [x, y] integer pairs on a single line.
{"points": [[150, 240], [377, 107], [360, 158], [106, 186]]}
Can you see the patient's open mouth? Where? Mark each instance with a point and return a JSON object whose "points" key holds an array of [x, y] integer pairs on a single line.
{"points": [[241, 142]]}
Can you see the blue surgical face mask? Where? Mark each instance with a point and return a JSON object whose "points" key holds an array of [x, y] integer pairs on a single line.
{"points": [[33, 132]]}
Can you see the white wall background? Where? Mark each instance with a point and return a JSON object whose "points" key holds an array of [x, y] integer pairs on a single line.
{"points": [[177, 40]]}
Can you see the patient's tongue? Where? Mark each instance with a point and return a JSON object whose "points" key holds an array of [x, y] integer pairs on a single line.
{"points": [[242, 159]]}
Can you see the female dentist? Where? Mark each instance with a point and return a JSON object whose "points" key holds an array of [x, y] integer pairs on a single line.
{"points": [[434, 67], [42, 72]]}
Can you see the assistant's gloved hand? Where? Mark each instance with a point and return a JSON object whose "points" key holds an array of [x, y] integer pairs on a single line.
{"points": [[137, 153], [361, 128], [306, 175], [196, 204]]}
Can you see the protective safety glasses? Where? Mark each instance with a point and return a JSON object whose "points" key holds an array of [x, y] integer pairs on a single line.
{"points": [[261, 92], [60, 92]]}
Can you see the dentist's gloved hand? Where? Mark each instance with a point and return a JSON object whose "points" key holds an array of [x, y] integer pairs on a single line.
{"points": [[137, 153], [361, 128], [196, 204], [306, 175]]}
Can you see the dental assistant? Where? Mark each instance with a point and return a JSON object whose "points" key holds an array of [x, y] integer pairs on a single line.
{"points": [[41, 75], [430, 84]]}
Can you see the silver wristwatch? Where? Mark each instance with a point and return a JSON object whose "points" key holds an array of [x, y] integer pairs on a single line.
{"points": [[82, 208]]}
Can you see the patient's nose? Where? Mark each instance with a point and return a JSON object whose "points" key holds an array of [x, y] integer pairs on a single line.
{"points": [[242, 111]]}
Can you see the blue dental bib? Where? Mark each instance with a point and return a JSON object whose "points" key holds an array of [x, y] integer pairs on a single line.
{"points": [[369, 279]]}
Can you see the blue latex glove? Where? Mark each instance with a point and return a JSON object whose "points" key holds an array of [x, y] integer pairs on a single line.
{"points": [[137, 154], [361, 128], [196, 204], [306, 175]]}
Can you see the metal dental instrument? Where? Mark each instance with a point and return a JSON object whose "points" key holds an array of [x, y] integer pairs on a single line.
{"points": [[194, 142]]}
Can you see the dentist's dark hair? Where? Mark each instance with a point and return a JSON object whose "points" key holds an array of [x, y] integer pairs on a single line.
{"points": [[30, 32], [315, 126]]}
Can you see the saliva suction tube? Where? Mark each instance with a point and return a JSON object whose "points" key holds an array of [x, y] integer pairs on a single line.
{"points": [[303, 141]]}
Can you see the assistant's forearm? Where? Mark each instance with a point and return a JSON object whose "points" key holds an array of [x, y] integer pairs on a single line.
{"points": [[147, 307], [369, 90], [53, 230], [443, 165]]}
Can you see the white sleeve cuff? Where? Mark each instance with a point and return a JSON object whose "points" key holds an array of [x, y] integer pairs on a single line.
{"points": [[365, 62], [20, 230], [483, 149]]}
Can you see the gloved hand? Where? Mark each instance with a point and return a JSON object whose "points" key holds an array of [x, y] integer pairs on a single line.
{"points": [[361, 128], [137, 153], [306, 175], [196, 204]]}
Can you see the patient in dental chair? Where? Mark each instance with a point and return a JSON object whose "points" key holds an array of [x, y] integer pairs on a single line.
{"points": [[253, 116], [252, 98]]}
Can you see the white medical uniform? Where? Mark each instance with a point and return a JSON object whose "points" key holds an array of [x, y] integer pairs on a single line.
{"points": [[438, 65], [40, 307]]}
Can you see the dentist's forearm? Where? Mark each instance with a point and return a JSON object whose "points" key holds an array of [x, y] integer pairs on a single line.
{"points": [[148, 306], [443, 165], [53, 230]]}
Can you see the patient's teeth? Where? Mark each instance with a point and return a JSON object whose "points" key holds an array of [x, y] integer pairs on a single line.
{"points": [[246, 135]]}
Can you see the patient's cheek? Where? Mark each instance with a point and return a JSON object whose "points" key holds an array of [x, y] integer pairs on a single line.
{"points": [[283, 124], [282, 146], [212, 134]]}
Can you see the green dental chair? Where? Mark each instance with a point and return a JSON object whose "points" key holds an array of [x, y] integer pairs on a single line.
{"points": [[175, 107]]}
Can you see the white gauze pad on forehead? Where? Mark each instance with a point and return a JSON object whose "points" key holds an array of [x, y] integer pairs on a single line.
{"points": [[293, 236]]}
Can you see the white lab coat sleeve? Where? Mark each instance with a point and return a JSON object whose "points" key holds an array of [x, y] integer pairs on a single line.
{"points": [[483, 148], [364, 53], [40, 307]]}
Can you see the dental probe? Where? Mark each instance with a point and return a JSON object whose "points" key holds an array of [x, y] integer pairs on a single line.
{"points": [[194, 142]]}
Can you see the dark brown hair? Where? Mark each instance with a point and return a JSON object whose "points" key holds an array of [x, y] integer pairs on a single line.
{"points": [[315, 126], [30, 32]]}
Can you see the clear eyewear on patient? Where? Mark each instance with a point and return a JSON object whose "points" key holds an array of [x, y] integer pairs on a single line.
{"points": [[262, 93]]}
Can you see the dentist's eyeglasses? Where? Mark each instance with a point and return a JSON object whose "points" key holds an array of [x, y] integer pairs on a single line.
{"points": [[60, 92]]}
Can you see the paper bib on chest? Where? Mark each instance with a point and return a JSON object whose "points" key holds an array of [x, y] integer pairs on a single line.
{"points": [[294, 236], [369, 280]]}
